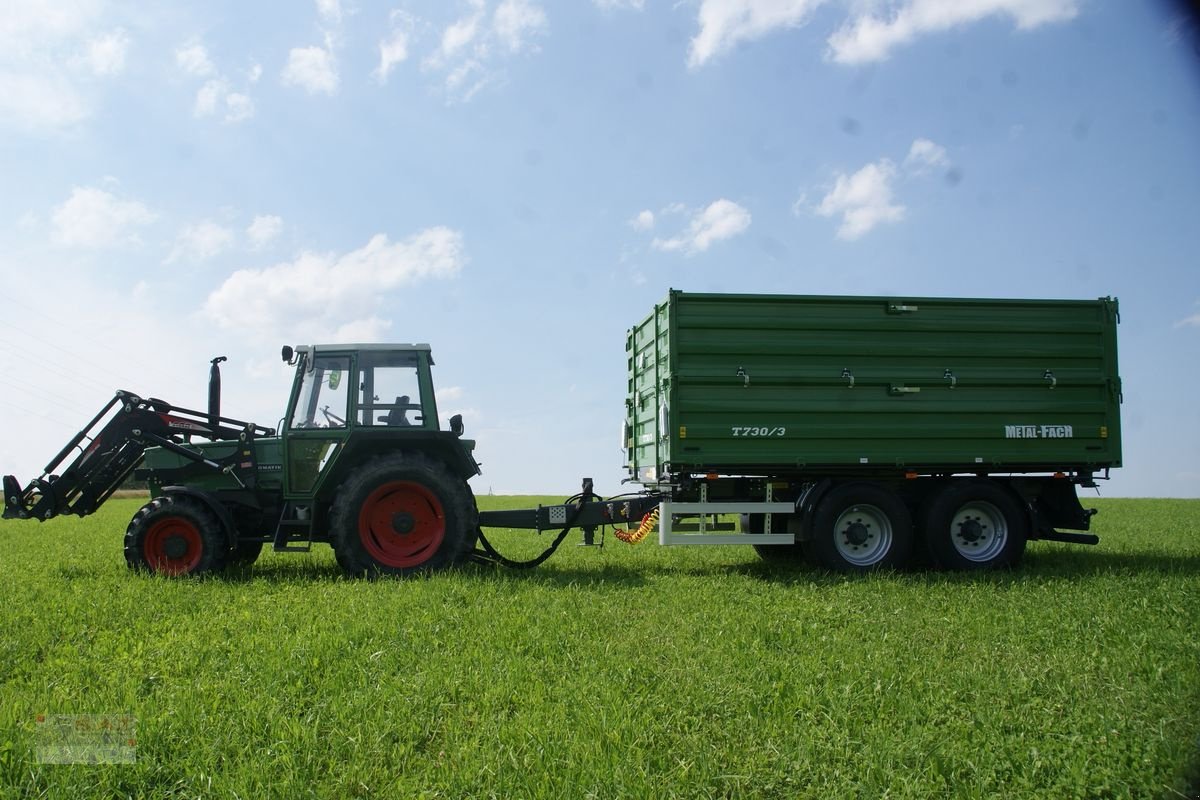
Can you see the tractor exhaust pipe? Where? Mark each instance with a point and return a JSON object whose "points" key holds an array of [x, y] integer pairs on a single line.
{"points": [[214, 393]]}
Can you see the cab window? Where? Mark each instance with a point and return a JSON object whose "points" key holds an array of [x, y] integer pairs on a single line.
{"points": [[324, 396], [389, 392]]}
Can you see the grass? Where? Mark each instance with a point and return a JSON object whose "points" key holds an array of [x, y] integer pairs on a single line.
{"points": [[623, 672]]}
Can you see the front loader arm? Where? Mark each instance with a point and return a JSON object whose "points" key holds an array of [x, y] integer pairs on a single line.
{"points": [[109, 451]]}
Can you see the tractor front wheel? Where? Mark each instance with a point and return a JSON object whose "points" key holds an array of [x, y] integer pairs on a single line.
{"points": [[175, 536], [402, 513]]}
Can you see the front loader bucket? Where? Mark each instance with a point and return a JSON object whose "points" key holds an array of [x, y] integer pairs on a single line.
{"points": [[36, 500]]}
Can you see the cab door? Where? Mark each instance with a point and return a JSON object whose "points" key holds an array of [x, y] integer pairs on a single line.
{"points": [[317, 426]]}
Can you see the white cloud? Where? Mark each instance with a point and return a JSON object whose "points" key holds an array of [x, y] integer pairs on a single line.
{"points": [[644, 221], [105, 55], [208, 98], [925, 156], [193, 59], [312, 69], [723, 219], [472, 48], [319, 295], [873, 29], [461, 33], [868, 37], [94, 218], [459, 83], [200, 242], [1189, 322], [51, 52], [863, 199], [371, 329], [330, 10], [263, 230], [515, 21], [394, 49], [40, 102], [609, 5], [216, 96], [238, 107], [725, 23], [254, 73]]}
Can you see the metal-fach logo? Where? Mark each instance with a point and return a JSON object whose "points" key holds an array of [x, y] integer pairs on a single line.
{"points": [[86, 739], [1038, 432]]}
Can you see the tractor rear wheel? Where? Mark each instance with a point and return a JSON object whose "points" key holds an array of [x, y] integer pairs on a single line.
{"points": [[175, 536], [402, 513]]}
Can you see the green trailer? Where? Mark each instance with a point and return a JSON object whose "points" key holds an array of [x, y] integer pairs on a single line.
{"points": [[862, 430]]}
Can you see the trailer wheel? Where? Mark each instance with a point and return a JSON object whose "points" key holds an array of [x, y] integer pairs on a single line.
{"points": [[859, 527], [772, 553], [402, 513], [975, 525], [175, 536]]}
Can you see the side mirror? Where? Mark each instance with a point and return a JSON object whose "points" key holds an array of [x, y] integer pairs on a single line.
{"points": [[456, 425], [287, 353]]}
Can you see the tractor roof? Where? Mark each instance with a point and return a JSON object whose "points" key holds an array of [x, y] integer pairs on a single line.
{"points": [[373, 346]]}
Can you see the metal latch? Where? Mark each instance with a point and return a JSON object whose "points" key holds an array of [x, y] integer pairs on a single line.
{"points": [[741, 373], [846, 373], [1048, 375], [948, 375]]}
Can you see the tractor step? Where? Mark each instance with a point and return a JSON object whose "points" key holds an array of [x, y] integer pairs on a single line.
{"points": [[286, 539]]}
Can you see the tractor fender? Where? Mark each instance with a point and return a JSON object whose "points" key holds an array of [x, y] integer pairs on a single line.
{"points": [[217, 507]]}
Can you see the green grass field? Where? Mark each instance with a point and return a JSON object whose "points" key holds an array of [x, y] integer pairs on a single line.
{"points": [[623, 672]]}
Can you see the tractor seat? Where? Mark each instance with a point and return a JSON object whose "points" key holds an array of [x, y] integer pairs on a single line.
{"points": [[396, 417]]}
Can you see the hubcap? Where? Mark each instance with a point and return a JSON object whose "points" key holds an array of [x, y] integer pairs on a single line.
{"points": [[979, 531], [863, 535], [402, 524], [173, 546]]}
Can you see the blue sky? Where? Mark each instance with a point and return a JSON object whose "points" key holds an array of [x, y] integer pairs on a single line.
{"points": [[518, 182]]}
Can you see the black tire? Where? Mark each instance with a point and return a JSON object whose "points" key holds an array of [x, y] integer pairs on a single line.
{"points": [[176, 536], [975, 525], [861, 527], [245, 553], [772, 553], [400, 514]]}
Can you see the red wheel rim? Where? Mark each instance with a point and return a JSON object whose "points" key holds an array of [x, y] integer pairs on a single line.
{"points": [[173, 546], [402, 524]]}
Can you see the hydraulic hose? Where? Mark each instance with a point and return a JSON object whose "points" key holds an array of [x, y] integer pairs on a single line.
{"points": [[489, 554]]}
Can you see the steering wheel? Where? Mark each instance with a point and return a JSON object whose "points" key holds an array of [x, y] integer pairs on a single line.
{"points": [[331, 418]]}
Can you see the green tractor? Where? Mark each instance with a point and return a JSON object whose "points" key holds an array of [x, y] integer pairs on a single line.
{"points": [[360, 462]]}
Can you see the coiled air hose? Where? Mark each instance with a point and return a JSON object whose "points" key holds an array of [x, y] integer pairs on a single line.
{"points": [[642, 531]]}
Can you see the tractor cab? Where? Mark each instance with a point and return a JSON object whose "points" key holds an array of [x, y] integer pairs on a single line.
{"points": [[362, 398], [376, 385]]}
